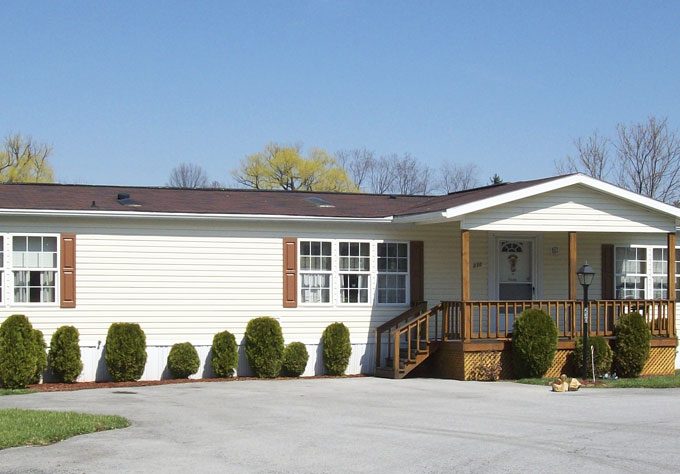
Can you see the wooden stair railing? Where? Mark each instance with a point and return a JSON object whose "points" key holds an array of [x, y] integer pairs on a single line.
{"points": [[411, 338]]}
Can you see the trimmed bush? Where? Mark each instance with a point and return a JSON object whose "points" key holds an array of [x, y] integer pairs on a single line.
{"points": [[264, 346], [18, 356], [64, 356], [534, 343], [125, 352], [224, 358], [603, 356], [295, 359], [632, 345], [40, 355], [336, 348], [183, 360]]}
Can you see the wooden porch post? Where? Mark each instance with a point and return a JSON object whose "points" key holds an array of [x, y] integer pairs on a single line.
{"points": [[572, 265], [465, 283], [671, 283]]}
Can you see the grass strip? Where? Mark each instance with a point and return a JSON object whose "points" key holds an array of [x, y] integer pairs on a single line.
{"points": [[20, 427], [651, 381], [18, 391]]}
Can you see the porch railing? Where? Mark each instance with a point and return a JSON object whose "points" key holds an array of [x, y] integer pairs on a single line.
{"points": [[494, 319]]}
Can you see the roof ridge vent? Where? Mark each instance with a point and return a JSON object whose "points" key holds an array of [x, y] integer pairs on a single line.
{"points": [[319, 202], [124, 199]]}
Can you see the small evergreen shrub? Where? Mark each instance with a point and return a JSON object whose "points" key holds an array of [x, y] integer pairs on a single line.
{"points": [[603, 356], [336, 348], [534, 343], [295, 359], [183, 360], [632, 345], [125, 352], [40, 355], [64, 356], [264, 346], [18, 355], [224, 352]]}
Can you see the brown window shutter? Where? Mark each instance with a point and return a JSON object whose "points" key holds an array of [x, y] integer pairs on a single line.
{"points": [[416, 267], [68, 271], [289, 272], [608, 272]]}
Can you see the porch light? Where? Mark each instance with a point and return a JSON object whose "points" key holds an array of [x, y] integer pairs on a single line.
{"points": [[585, 276]]}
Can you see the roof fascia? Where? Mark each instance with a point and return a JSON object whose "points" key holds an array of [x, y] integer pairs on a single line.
{"points": [[188, 215]]}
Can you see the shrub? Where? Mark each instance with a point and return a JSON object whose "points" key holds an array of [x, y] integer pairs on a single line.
{"points": [[632, 345], [125, 352], [295, 359], [183, 360], [64, 356], [40, 355], [264, 346], [224, 357], [336, 348], [18, 360], [603, 356], [534, 343]]}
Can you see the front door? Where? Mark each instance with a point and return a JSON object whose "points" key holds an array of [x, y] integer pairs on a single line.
{"points": [[515, 269]]}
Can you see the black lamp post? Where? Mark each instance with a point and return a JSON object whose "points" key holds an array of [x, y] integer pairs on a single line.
{"points": [[585, 278]]}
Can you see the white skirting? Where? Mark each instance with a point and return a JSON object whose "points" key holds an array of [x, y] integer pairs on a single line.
{"points": [[94, 366]]}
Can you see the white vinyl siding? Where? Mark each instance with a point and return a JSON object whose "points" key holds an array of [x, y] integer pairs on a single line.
{"points": [[575, 208]]}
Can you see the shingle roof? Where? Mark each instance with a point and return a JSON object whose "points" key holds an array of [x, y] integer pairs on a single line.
{"points": [[66, 197]]}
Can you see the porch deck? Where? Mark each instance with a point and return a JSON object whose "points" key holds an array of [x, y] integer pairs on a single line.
{"points": [[405, 342]]}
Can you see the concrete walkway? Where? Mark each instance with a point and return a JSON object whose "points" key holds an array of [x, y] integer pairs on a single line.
{"points": [[361, 425]]}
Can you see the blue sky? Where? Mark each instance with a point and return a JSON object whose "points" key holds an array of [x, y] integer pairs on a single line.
{"points": [[124, 91]]}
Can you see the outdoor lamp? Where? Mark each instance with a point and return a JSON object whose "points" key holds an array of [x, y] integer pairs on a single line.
{"points": [[585, 276]]}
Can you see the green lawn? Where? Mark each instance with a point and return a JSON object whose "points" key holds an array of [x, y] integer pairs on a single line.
{"points": [[11, 391], [38, 427], [655, 381]]}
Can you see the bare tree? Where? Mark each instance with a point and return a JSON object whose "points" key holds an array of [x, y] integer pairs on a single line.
{"points": [[453, 177], [648, 159], [592, 158], [189, 176], [411, 176], [358, 163]]}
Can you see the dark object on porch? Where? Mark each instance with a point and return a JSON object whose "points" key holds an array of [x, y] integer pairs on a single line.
{"points": [[632, 345], [534, 343], [336, 348], [125, 351], [603, 356]]}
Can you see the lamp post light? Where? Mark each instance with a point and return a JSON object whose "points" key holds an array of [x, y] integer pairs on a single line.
{"points": [[585, 278]]}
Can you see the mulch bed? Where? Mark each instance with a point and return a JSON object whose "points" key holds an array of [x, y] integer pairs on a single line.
{"points": [[68, 387]]}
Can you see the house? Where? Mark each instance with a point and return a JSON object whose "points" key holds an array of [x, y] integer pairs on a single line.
{"points": [[415, 278]]}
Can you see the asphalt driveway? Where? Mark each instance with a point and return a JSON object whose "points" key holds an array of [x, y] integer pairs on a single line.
{"points": [[361, 425]]}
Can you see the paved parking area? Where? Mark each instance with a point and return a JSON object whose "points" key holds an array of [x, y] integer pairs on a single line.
{"points": [[361, 425]]}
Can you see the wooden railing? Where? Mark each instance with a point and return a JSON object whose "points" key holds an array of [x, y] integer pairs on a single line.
{"points": [[494, 319]]}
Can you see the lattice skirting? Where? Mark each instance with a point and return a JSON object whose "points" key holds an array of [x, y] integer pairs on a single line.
{"points": [[661, 361], [469, 365]]}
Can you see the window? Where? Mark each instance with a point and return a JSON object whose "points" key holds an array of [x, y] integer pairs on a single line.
{"points": [[34, 268], [642, 273], [392, 272], [315, 271], [355, 267]]}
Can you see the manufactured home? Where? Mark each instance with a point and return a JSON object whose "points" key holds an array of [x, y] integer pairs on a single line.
{"points": [[429, 283]]}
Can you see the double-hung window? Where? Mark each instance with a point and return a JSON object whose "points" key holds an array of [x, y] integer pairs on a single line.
{"points": [[315, 271], [34, 268], [642, 273], [355, 268], [392, 272]]}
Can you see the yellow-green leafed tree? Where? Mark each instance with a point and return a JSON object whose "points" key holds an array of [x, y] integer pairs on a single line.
{"points": [[22, 160], [284, 167]]}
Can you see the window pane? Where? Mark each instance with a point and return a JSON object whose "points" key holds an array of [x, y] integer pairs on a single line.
{"points": [[304, 248], [49, 244], [316, 248], [365, 249], [381, 250], [34, 244], [344, 248], [19, 244]]}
